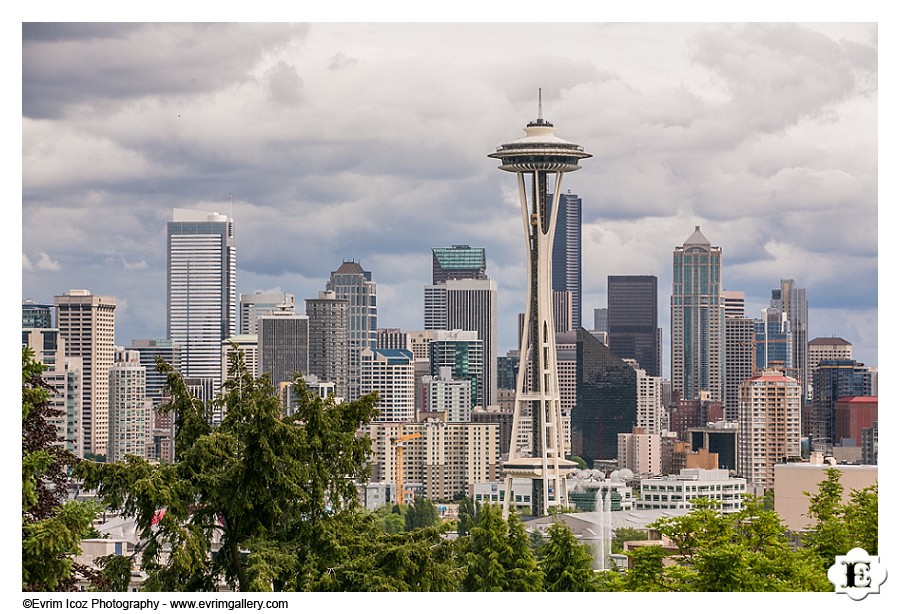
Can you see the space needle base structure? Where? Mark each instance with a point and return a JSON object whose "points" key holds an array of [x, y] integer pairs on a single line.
{"points": [[539, 159]]}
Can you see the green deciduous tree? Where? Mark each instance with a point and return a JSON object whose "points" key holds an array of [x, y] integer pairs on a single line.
{"points": [[52, 526], [741, 551], [839, 527], [567, 565]]}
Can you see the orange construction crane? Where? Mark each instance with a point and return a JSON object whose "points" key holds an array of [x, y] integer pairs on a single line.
{"points": [[397, 442]]}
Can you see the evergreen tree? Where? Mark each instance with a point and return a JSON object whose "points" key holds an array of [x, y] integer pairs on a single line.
{"points": [[566, 564], [263, 487], [498, 556], [52, 526], [422, 513]]}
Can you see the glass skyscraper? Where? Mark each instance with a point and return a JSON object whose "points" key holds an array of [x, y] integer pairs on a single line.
{"points": [[201, 289], [350, 282], [698, 319], [566, 259], [632, 319]]}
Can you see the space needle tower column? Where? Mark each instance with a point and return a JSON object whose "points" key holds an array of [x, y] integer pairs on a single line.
{"points": [[539, 158]]}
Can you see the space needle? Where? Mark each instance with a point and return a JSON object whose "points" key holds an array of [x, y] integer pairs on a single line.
{"points": [[537, 159]]}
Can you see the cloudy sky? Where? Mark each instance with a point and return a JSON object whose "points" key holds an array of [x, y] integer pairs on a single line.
{"points": [[368, 142]]}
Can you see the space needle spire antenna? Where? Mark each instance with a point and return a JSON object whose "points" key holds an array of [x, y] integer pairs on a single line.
{"points": [[538, 158]]}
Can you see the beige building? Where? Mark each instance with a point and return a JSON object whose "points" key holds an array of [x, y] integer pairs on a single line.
{"points": [[768, 427], [87, 323], [640, 451], [793, 479], [444, 460], [828, 348]]}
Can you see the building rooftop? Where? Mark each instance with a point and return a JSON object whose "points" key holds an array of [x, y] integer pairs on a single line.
{"points": [[829, 341]]}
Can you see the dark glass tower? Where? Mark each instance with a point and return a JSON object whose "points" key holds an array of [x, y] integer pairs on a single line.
{"points": [[566, 260], [633, 325], [606, 399]]}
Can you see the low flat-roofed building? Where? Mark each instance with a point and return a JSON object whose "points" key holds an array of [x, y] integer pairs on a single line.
{"points": [[793, 479], [678, 492]]}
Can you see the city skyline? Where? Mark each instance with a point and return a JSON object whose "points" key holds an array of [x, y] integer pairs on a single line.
{"points": [[293, 132]]}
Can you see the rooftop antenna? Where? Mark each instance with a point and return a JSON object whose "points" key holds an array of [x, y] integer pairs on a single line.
{"points": [[230, 206], [540, 106]]}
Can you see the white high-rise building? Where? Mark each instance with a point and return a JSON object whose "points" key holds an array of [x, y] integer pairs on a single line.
{"points": [[651, 413], [769, 427], [201, 289], [391, 374], [130, 411], [87, 323]]}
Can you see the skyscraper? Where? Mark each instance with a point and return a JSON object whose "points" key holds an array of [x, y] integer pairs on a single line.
{"points": [[769, 427], [472, 306], [258, 304], [740, 360], [633, 329], [391, 374], [87, 323], [350, 282], [457, 262], [791, 301], [566, 257], [698, 319], [329, 340], [201, 289], [130, 419], [463, 353], [283, 347], [537, 159]]}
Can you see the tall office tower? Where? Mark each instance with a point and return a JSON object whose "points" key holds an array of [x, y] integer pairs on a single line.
{"points": [[567, 370], [253, 306], [87, 323], [698, 319], [740, 358], [833, 380], [651, 414], [63, 376], [774, 342], [507, 368], [353, 284], [566, 258], [419, 342], [768, 427], [633, 329], [537, 157], [472, 306], [329, 340], [791, 301], [201, 289], [391, 374], [734, 303], [35, 315], [149, 350], [392, 339], [130, 423], [463, 352], [283, 348], [601, 319], [457, 262], [827, 348]]}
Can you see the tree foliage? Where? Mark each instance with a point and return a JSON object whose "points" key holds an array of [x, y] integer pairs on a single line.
{"points": [[420, 514], [254, 491], [742, 551], [52, 526], [567, 565], [840, 527], [497, 554]]}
